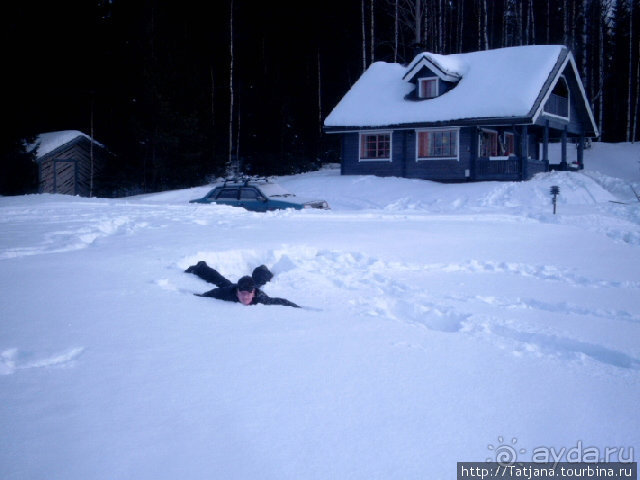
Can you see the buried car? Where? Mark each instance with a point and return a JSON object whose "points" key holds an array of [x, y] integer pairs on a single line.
{"points": [[257, 196]]}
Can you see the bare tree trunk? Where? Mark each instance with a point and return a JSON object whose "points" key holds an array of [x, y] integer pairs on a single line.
{"points": [[395, 46], [505, 23], [460, 26], [418, 21], [629, 99], [603, 25], [237, 157], [213, 116], [91, 152], [519, 23], [441, 32], [429, 29], [548, 22], [479, 24], [573, 25], [408, 14], [485, 27], [319, 96], [635, 110], [213, 97], [583, 63], [526, 25], [565, 23], [364, 40], [373, 37], [531, 21], [230, 162]]}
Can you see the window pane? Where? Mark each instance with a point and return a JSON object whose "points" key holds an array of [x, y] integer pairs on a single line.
{"points": [[509, 144], [488, 144], [376, 146], [438, 143], [248, 194], [229, 193], [428, 87]]}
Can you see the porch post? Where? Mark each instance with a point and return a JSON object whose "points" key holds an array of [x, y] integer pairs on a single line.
{"points": [[581, 151], [563, 161], [474, 153], [545, 142], [524, 152]]}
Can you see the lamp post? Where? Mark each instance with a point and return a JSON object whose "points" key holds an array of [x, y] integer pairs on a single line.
{"points": [[555, 191]]}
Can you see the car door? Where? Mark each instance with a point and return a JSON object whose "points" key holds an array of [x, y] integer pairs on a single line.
{"points": [[252, 199], [228, 196]]}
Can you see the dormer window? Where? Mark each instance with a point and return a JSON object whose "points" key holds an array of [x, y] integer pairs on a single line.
{"points": [[428, 87]]}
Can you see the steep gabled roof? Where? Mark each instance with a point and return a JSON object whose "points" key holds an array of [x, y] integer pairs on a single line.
{"points": [[503, 84]]}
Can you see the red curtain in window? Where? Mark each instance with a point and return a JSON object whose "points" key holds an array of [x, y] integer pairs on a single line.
{"points": [[509, 144], [423, 144]]}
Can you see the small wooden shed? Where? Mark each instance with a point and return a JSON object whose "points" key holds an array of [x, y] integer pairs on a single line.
{"points": [[69, 162]]}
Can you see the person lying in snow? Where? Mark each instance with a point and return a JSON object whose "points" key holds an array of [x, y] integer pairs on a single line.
{"points": [[246, 291]]}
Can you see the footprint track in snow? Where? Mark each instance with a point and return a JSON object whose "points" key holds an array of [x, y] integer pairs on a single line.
{"points": [[387, 290], [14, 359]]}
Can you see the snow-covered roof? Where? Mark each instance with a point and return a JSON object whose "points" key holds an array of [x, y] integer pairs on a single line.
{"points": [[499, 83], [48, 142]]}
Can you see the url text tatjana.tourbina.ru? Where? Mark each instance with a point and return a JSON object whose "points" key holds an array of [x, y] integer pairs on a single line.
{"points": [[531, 471]]}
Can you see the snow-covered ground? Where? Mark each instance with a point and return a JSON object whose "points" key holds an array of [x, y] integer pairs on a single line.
{"points": [[447, 323]]}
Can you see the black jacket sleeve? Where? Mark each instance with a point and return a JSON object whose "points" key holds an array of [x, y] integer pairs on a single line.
{"points": [[265, 299], [225, 293]]}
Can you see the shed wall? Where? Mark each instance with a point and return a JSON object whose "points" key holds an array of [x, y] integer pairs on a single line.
{"points": [[67, 170]]}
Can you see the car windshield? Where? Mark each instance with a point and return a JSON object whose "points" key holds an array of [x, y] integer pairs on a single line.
{"points": [[275, 190]]}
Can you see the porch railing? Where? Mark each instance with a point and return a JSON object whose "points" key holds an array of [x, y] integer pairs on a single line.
{"points": [[493, 168], [510, 169], [557, 105]]}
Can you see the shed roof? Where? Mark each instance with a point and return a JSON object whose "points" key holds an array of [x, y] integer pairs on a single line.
{"points": [[502, 83], [48, 142]]}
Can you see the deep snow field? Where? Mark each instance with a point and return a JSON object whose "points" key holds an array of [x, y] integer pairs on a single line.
{"points": [[446, 323]]}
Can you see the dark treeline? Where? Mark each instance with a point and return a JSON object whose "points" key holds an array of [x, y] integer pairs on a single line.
{"points": [[178, 90]]}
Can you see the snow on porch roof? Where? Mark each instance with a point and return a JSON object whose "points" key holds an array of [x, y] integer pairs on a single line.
{"points": [[48, 142], [499, 83]]}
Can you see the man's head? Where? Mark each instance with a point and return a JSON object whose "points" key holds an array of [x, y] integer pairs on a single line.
{"points": [[246, 290]]}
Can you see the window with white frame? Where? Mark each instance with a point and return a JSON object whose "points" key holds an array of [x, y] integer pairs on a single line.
{"points": [[488, 143], [428, 87], [375, 146], [437, 144]]}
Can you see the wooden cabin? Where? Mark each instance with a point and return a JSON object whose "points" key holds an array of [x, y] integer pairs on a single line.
{"points": [[69, 162], [486, 115]]}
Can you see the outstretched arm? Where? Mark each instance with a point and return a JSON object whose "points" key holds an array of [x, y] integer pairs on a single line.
{"points": [[264, 299], [228, 294]]}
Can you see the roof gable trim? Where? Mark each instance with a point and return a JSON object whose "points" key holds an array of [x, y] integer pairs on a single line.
{"points": [[540, 106], [426, 61]]}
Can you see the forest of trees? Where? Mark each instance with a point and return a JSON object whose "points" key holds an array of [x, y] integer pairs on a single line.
{"points": [[181, 91]]}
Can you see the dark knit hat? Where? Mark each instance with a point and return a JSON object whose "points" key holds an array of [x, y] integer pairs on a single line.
{"points": [[246, 284]]}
